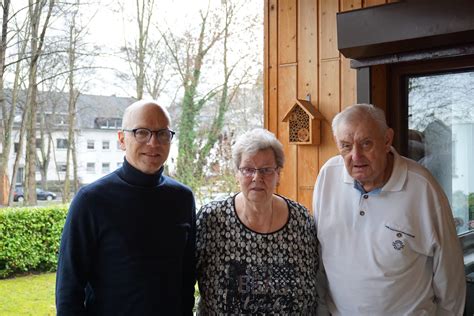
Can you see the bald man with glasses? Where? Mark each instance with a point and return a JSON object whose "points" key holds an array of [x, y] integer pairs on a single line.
{"points": [[129, 239]]}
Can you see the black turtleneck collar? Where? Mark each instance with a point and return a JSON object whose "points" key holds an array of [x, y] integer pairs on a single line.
{"points": [[133, 176]]}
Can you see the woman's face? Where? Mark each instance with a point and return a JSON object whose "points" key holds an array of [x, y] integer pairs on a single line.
{"points": [[259, 186]]}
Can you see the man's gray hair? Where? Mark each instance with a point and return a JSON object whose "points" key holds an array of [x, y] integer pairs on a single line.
{"points": [[358, 112], [255, 140]]}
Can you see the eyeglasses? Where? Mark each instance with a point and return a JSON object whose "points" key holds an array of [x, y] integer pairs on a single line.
{"points": [[143, 135], [250, 172]]}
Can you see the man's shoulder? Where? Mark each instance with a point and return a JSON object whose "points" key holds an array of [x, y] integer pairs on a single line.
{"points": [[334, 161], [418, 171], [332, 164], [104, 181], [175, 185]]}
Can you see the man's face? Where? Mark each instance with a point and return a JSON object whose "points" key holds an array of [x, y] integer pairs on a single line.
{"points": [[146, 157], [365, 151]]}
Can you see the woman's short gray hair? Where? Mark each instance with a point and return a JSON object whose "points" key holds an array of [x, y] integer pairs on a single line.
{"points": [[359, 112], [255, 140]]}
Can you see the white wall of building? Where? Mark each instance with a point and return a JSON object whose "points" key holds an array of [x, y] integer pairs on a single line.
{"points": [[105, 156]]}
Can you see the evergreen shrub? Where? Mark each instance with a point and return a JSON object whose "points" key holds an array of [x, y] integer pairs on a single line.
{"points": [[29, 238]]}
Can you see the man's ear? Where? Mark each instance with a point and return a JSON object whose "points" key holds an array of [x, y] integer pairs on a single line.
{"points": [[389, 139], [121, 139]]}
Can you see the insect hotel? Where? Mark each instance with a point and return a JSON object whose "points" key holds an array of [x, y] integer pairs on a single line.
{"points": [[304, 123]]}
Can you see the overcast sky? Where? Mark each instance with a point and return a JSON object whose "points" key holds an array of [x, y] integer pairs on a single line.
{"points": [[110, 28]]}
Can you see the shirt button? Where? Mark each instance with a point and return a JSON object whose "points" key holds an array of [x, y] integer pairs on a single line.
{"points": [[399, 235], [366, 196], [362, 213]]}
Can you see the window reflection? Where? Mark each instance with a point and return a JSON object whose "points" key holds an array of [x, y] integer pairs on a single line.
{"points": [[441, 136]]}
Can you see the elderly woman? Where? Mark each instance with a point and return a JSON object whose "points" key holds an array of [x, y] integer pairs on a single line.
{"points": [[257, 251]]}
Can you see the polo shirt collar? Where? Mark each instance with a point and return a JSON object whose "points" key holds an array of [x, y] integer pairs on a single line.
{"points": [[397, 178]]}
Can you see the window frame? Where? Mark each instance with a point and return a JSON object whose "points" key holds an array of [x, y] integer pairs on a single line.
{"points": [[397, 109], [397, 105]]}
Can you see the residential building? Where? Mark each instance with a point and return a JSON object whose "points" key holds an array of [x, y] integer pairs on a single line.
{"points": [[98, 119]]}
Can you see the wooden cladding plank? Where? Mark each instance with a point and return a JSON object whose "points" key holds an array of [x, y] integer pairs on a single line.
{"points": [[287, 26], [329, 106], [348, 5], [327, 29], [307, 49], [286, 99], [371, 3], [266, 62], [307, 85], [305, 198], [348, 75], [308, 169], [348, 83], [271, 107]]}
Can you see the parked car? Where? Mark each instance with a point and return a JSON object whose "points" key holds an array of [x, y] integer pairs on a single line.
{"points": [[18, 195]]}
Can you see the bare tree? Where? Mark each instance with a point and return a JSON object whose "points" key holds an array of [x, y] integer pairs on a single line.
{"points": [[74, 39], [21, 35], [146, 56], [7, 118], [38, 32], [190, 55]]}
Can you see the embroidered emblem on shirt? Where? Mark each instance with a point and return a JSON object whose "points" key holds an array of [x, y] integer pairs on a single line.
{"points": [[398, 244]]}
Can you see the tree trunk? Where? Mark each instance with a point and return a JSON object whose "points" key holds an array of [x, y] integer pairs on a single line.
{"points": [[7, 118]]}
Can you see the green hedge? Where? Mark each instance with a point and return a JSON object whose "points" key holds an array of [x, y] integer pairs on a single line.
{"points": [[29, 238]]}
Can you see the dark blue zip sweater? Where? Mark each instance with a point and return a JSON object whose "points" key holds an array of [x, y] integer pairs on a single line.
{"points": [[127, 247]]}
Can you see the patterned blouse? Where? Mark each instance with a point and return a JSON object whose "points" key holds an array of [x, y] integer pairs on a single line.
{"points": [[241, 271]]}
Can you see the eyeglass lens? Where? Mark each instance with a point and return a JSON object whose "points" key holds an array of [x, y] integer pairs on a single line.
{"points": [[250, 172], [144, 135]]}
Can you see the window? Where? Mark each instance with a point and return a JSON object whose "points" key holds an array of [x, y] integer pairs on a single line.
{"points": [[61, 143], [118, 146], [90, 144], [108, 122], [61, 167], [38, 143], [440, 114], [16, 146], [105, 167], [57, 119], [105, 145], [435, 126], [90, 167]]}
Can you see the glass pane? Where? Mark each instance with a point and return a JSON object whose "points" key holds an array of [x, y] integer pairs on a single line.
{"points": [[441, 136]]}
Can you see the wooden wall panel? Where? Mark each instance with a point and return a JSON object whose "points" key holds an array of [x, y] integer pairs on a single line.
{"points": [[348, 83], [348, 5], [370, 3], [329, 77], [286, 97], [271, 58], [308, 49], [348, 75], [327, 29], [329, 107], [287, 31], [308, 156], [287, 83], [301, 58]]}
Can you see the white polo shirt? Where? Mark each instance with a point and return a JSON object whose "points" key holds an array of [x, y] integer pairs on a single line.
{"points": [[394, 252]]}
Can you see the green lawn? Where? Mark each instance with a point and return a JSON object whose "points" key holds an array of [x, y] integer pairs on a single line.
{"points": [[28, 295], [31, 295]]}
